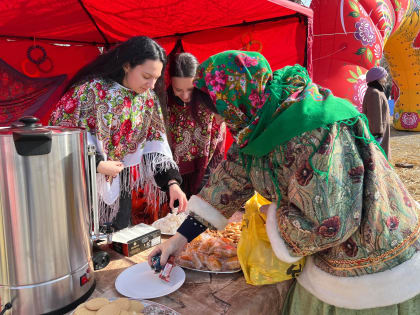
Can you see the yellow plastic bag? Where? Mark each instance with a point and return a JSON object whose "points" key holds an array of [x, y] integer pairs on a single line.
{"points": [[258, 261]]}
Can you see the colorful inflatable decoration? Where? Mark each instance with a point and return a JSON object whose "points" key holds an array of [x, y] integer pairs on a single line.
{"points": [[406, 70], [349, 36]]}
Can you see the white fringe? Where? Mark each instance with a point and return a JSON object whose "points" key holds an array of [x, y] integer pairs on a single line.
{"points": [[151, 163]]}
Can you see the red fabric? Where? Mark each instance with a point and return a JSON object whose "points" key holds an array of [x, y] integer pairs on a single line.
{"points": [[23, 96], [395, 91], [229, 141], [205, 27], [145, 212], [59, 60], [281, 42], [416, 43], [121, 19], [65, 60]]}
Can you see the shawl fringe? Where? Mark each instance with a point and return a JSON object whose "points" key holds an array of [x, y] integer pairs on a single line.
{"points": [[132, 178]]}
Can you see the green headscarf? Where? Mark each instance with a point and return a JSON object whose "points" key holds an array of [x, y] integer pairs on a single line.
{"points": [[265, 109]]}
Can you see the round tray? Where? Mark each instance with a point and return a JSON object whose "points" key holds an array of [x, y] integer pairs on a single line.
{"points": [[151, 308], [211, 271]]}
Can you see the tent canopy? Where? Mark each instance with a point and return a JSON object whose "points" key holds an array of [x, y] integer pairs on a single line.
{"points": [[104, 22], [49, 38], [280, 29]]}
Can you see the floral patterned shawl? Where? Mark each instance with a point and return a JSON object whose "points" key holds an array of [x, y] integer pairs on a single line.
{"points": [[251, 98], [196, 141], [124, 126]]}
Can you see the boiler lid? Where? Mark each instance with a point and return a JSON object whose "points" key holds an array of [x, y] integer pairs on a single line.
{"points": [[31, 125], [31, 138]]}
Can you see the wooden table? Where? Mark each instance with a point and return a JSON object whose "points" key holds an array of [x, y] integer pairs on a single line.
{"points": [[202, 293]]}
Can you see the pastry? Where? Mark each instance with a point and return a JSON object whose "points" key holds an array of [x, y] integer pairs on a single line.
{"points": [[109, 309], [136, 306], [96, 304], [83, 311], [124, 303], [232, 263]]}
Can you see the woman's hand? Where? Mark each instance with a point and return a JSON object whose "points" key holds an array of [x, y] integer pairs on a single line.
{"points": [[172, 246], [176, 193], [110, 168]]}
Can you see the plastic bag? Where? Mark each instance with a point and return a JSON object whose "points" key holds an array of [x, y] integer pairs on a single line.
{"points": [[259, 263]]}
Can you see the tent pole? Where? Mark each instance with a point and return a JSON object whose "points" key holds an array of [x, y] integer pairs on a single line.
{"points": [[107, 45]]}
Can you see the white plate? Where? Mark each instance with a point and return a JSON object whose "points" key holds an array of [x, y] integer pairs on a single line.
{"points": [[141, 282], [211, 271]]}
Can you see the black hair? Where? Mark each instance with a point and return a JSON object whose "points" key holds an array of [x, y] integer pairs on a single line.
{"points": [[184, 65], [134, 51]]}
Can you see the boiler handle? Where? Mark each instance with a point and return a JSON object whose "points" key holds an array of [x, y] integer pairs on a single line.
{"points": [[93, 191]]}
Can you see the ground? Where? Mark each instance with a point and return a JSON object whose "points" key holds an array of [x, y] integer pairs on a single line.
{"points": [[405, 149]]}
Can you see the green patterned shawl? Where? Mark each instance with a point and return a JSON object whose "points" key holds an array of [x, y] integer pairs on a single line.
{"points": [[265, 109]]}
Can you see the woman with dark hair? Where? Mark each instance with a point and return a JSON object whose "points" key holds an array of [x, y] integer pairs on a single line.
{"points": [[335, 198], [117, 99], [196, 136]]}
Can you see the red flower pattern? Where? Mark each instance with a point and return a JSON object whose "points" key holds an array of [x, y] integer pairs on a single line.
{"points": [[193, 150], [150, 103], [392, 223], [91, 122], [70, 106], [126, 127], [127, 101], [409, 120], [407, 201], [326, 147], [356, 174], [116, 137], [304, 174], [350, 248], [330, 227], [101, 94]]}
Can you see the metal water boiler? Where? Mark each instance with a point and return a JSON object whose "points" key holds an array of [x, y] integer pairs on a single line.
{"points": [[45, 245]]}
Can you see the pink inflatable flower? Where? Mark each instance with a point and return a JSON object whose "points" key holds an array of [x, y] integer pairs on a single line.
{"points": [[409, 120], [364, 32], [360, 88]]}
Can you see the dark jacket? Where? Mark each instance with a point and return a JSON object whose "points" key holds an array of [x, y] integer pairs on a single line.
{"points": [[376, 109]]}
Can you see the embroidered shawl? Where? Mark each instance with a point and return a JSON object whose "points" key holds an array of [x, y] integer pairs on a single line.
{"points": [[124, 126], [196, 142]]}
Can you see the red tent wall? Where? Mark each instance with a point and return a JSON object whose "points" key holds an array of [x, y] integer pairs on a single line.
{"points": [[281, 42], [61, 59], [279, 29], [101, 21]]}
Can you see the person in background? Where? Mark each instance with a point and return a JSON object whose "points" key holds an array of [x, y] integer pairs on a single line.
{"points": [[335, 198], [196, 136], [376, 108], [117, 99]]}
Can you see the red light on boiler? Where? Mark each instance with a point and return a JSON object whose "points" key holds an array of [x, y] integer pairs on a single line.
{"points": [[83, 280]]}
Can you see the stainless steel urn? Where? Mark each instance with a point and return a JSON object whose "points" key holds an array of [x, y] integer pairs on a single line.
{"points": [[45, 245]]}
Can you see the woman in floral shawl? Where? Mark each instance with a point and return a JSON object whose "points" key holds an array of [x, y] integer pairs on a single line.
{"points": [[336, 200], [197, 139], [113, 98]]}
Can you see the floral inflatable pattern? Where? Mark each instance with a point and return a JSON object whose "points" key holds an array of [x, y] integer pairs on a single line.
{"points": [[347, 46]]}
